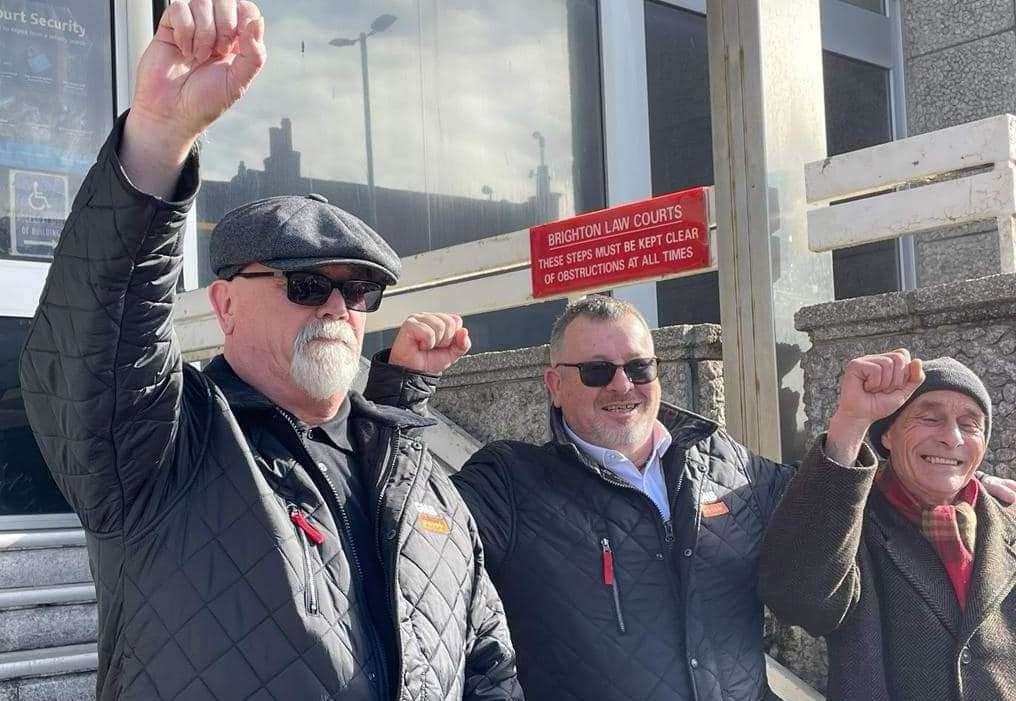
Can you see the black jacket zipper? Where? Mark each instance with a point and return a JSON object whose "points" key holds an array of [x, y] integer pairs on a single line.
{"points": [[348, 530]]}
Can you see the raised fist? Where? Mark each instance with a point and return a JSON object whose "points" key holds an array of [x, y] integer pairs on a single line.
{"points": [[202, 59], [875, 386], [429, 342]]}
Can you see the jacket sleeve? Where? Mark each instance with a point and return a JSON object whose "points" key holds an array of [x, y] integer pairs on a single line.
{"points": [[490, 662], [770, 479], [808, 568], [396, 386], [485, 486], [101, 371]]}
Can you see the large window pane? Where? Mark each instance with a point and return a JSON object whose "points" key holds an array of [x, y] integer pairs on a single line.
{"points": [[26, 486], [680, 132], [858, 115], [56, 107], [484, 118]]}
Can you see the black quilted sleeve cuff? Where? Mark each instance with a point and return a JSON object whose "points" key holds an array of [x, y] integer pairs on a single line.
{"points": [[397, 386]]}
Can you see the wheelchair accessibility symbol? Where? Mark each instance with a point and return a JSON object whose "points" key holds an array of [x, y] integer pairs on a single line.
{"points": [[37, 200], [39, 206]]}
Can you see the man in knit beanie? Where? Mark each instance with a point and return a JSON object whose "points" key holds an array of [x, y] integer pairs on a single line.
{"points": [[906, 566]]}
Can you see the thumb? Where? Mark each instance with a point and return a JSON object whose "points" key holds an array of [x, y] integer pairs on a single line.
{"points": [[916, 373], [251, 53], [460, 341]]}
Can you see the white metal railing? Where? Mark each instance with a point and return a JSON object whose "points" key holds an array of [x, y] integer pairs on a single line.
{"points": [[486, 275], [947, 177]]}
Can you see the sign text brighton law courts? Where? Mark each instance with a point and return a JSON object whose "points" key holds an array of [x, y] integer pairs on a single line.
{"points": [[646, 239]]}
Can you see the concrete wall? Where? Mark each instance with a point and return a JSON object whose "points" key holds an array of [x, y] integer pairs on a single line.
{"points": [[959, 66], [501, 395], [974, 321]]}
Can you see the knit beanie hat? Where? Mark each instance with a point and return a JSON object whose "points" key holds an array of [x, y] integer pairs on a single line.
{"points": [[940, 373]]}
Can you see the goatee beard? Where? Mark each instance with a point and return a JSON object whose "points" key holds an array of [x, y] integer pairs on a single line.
{"points": [[326, 359]]}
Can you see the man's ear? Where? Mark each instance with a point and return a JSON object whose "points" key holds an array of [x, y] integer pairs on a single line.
{"points": [[885, 440], [552, 380], [221, 298]]}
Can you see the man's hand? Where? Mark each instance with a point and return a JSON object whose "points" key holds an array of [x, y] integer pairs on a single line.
{"points": [[872, 388], [1002, 489], [203, 58], [429, 342]]}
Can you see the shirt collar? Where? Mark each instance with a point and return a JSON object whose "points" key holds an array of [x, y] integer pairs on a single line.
{"points": [[337, 427], [609, 458]]}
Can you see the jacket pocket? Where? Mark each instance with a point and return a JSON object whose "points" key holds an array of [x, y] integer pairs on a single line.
{"points": [[307, 534], [610, 580]]}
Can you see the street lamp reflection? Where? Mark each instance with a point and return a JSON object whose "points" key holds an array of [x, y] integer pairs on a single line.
{"points": [[380, 24]]}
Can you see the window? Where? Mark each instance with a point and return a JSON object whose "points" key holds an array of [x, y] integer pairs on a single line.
{"points": [[483, 119], [56, 108], [26, 486], [680, 132], [858, 115]]}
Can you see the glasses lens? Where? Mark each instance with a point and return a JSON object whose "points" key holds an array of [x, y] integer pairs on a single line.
{"points": [[641, 371], [309, 289], [361, 295], [597, 373]]}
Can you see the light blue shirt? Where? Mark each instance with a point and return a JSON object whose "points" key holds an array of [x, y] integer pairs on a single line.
{"points": [[650, 481]]}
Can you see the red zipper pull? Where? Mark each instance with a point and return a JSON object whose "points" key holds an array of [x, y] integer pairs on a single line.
{"points": [[608, 563], [298, 518]]}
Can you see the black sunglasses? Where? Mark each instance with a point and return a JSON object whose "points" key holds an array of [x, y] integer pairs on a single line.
{"points": [[313, 289], [600, 373]]}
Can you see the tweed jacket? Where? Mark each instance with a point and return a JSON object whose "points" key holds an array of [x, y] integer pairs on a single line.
{"points": [[840, 561]]}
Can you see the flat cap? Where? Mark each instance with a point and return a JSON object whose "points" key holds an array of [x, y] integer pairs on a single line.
{"points": [[297, 232]]}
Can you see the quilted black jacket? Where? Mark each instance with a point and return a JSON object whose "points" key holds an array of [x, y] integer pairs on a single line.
{"points": [[687, 599], [206, 589]]}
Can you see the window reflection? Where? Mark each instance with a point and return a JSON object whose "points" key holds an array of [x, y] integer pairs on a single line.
{"points": [[484, 117], [478, 118], [680, 130], [858, 115], [26, 486], [56, 107]]}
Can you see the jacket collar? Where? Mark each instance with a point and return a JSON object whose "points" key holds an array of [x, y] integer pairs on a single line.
{"points": [[994, 562], [241, 396]]}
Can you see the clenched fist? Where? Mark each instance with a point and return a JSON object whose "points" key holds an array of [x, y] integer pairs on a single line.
{"points": [[875, 386], [872, 388], [429, 342], [203, 58]]}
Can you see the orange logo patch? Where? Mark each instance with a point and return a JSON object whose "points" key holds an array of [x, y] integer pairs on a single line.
{"points": [[430, 519], [434, 524], [714, 508]]}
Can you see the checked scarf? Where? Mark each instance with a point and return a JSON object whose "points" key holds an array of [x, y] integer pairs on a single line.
{"points": [[950, 528]]}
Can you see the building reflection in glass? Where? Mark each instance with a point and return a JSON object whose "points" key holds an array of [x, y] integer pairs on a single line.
{"points": [[484, 119]]}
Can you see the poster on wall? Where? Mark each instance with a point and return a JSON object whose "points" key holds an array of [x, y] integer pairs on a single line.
{"points": [[56, 107], [55, 83], [39, 205]]}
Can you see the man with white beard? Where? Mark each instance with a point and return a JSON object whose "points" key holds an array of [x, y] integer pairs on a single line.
{"points": [[256, 530]]}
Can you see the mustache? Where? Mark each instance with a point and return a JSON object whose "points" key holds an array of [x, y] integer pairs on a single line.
{"points": [[319, 329]]}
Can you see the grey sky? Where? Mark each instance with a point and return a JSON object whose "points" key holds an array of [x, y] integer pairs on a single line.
{"points": [[457, 84]]}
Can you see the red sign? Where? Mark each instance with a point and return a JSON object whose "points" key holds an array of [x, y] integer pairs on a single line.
{"points": [[650, 238]]}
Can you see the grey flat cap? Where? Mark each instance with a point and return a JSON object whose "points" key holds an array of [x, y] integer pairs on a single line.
{"points": [[297, 232]]}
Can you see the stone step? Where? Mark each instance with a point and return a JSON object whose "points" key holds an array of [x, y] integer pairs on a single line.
{"points": [[62, 687], [42, 617], [43, 558], [64, 673]]}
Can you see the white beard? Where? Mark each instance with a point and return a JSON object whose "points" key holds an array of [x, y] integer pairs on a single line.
{"points": [[325, 369]]}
